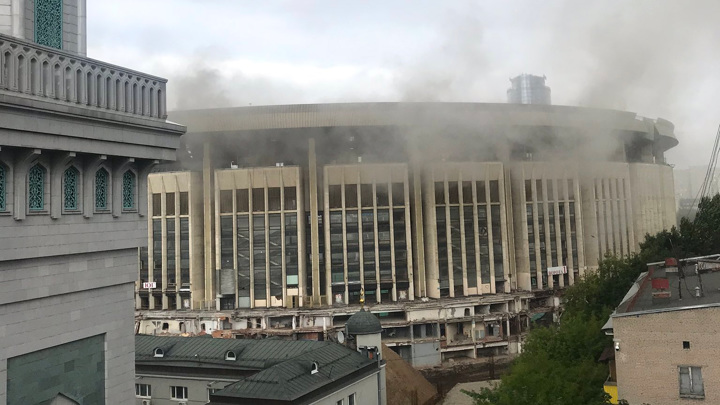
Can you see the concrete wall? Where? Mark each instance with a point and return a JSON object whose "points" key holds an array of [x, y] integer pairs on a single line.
{"points": [[197, 388], [655, 342], [365, 391], [426, 354], [653, 193]]}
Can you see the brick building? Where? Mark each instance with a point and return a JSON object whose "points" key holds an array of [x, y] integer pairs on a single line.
{"points": [[665, 335]]}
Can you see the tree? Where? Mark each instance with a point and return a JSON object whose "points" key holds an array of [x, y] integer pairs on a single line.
{"points": [[558, 365]]}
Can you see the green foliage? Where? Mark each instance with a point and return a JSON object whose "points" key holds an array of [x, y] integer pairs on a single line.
{"points": [[696, 237], [558, 365]]}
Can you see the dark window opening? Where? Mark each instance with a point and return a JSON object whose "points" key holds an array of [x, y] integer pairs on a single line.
{"points": [[170, 204], [184, 203], [242, 200], [226, 197]]}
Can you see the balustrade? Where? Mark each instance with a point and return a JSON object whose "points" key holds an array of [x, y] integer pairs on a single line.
{"points": [[39, 71]]}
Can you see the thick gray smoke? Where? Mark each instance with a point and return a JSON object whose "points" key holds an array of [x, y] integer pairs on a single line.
{"points": [[653, 57], [203, 86]]}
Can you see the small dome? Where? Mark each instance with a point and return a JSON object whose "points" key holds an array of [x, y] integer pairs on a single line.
{"points": [[363, 323]]}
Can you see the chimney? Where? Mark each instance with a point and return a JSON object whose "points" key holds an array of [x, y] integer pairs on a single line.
{"points": [[660, 283]]}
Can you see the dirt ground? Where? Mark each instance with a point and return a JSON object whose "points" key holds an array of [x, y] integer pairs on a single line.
{"points": [[455, 397]]}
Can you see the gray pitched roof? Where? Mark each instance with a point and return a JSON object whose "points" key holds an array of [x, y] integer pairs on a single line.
{"points": [[639, 298], [292, 379]]}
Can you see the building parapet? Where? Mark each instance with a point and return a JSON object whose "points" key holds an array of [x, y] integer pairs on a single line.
{"points": [[38, 71]]}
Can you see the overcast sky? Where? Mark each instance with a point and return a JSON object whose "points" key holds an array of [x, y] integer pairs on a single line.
{"points": [[659, 58]]}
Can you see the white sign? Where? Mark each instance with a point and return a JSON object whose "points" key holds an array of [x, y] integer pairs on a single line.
{"points": [[553, 271], [150, 285]]}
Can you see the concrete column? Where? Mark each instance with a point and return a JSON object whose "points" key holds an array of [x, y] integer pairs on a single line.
{"points": [[208, 223], [415, 227], [314, 224], [392, 242], [432, 276], [491, 245], [408, 242], [461, 212]]}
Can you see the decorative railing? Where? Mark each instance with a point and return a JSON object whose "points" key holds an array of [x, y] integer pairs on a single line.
{"points": [[60, 76]]}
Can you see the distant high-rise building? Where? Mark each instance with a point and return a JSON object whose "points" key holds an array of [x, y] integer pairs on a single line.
{"points": [[528, 89]]}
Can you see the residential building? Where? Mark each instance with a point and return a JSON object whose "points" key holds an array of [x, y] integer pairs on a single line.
{"points": [[77, 139], [196, 370], [665, 335]]}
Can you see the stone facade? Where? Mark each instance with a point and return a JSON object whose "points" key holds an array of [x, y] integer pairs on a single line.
{"points": [[76, 144]]}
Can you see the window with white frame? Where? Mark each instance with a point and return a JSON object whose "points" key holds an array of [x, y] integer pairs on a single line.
{"points": [[143, 390], [340, 402], [351, 399], [691, 382], [178, 392]]}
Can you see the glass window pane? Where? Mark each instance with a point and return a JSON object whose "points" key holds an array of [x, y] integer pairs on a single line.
{"points": [[334, 196], [242, 200], [274, 200], [156, 204], [184, 203], [366, 195], [381, 192], [258, 199], [398, 194], [351, 196], [226, 201]]}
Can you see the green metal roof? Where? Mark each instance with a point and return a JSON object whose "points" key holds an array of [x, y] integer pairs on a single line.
{"points": [[198, 352], [363, 323], [284, 367], [293, 378]]}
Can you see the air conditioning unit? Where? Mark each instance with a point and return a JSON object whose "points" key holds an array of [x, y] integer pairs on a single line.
{"points": [[146, 402]]}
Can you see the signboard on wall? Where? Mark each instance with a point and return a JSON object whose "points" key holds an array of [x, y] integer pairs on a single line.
{"points": [[554, 271], [150, 285]]}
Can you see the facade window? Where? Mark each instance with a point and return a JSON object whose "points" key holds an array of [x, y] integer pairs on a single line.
{"points": [[128, 190], [101, 189], [3, 188], [351, 399], [691, 382], [340, 402], [142, 390], [49, 23], [36, 188], [71, 189], [178, 392]]}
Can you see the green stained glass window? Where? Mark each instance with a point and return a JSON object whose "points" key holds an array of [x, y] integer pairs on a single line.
{"points": [[128, 190], [36, 188], [3, 181], [101, 189], [49, 23], [71, 190]]}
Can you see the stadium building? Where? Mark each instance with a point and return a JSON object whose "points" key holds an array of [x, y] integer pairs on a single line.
{"points": [[453, 218]]}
